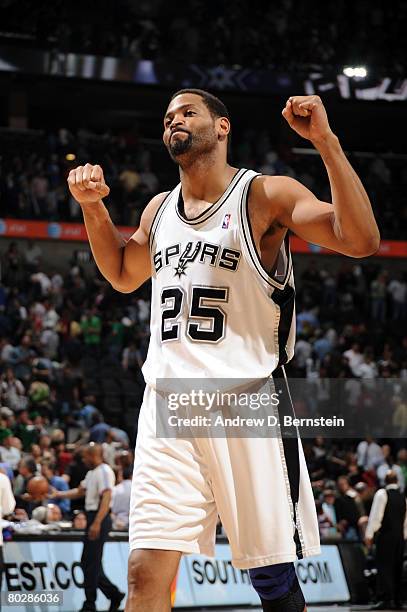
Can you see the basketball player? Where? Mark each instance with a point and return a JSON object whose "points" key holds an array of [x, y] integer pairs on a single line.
{"points": [[216, 248]]}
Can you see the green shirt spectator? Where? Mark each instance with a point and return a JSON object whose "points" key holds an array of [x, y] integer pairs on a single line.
{"points": [[91, 325], [25, 430]]}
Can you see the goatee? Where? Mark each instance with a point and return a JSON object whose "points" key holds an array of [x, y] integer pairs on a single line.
{"points": [[180, 146]]}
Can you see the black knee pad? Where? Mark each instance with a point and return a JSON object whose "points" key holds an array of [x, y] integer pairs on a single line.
{"points": [[278, 588], [293, 601]]}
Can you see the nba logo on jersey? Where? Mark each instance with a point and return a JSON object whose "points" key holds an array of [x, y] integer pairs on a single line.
{"points": [[226, 220]]}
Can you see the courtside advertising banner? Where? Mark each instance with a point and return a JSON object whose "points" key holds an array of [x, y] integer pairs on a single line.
{"points": [[32, 567]]}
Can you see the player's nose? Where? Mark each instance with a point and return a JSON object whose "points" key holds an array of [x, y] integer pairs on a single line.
{"points": [[178, 121]]}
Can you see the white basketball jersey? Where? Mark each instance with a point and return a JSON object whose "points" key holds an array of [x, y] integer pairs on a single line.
{"points": [[216, 312]]}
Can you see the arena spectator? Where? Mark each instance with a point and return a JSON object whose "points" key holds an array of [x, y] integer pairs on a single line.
{"points": [[303, 350], [24, 430], [32, 256], [8, 453], [49, 513], [121, 500], [399, 419], [329, 511], [397, 288], [364, 499], [327, 530], [88, 410], [369, 454], [91, 325], [378, 289], [387, 466], [63, 456], [79, 520], [75, 473], [27, 469], [7, 418], [36, 454], [388, 520], [99, 430], [354, 357], [49, 471], [12, 390], [347, 510]]}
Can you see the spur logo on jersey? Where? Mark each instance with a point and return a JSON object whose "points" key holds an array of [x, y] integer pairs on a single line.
{"points": [[180, 258], [189, 255]]}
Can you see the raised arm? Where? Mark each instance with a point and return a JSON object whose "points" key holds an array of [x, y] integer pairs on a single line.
{"points": [[347, 225], [126, 265], [76, 493]]}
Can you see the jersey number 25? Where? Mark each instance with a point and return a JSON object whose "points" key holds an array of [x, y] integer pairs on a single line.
{"points": [[206, 321]]}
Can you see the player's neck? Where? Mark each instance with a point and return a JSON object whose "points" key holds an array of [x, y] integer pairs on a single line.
{"points": [[205, 180]]}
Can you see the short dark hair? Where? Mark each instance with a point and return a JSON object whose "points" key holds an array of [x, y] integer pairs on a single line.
{"points": [[391, 477], [127, 472], [215, 106], [30, 464]]}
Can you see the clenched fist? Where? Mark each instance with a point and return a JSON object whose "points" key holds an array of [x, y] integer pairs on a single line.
{"points": [[307, 116], [87, 184]]}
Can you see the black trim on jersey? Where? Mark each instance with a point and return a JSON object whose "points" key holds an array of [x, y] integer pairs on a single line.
{"points": [[285, 299], [156, 220], [250, 243], [290, 440], [213, 208]]}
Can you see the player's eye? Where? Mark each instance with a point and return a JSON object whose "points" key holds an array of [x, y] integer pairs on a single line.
{"points": [[190, 112]]}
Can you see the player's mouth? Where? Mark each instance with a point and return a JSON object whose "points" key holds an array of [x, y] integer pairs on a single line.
{"points": [[179, 132]]}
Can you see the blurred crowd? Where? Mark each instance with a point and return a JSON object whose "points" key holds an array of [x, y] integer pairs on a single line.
{"points": [[287, 35], [351, 320], [33, 173], [351, 328], [67, 337], [71, 350], [70, 356], [345, 482]]}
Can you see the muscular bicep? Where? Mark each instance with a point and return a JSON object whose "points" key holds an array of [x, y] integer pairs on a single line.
{"points": [[136, 265], [298, 209], [314, 221]]}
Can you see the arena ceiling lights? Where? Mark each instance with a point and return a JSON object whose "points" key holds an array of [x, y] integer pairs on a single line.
{"points": [[355, 71]]}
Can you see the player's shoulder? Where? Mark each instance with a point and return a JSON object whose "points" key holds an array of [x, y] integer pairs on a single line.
{"points": [[381, 494], [267, 185], [154, 204], [273, 193], [152, 208]]}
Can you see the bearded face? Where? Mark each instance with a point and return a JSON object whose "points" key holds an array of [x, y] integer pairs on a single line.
{"points": [[189, 129]]}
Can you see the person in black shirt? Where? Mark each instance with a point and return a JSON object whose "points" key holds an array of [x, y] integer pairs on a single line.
{"points": [[346, 508], [388, 524], [77, 472]]}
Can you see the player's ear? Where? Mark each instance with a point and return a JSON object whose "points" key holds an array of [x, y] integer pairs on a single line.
{"points": [[223, 128]]}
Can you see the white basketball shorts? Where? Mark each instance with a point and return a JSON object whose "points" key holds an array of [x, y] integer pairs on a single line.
{"points": [[259, 487]]}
